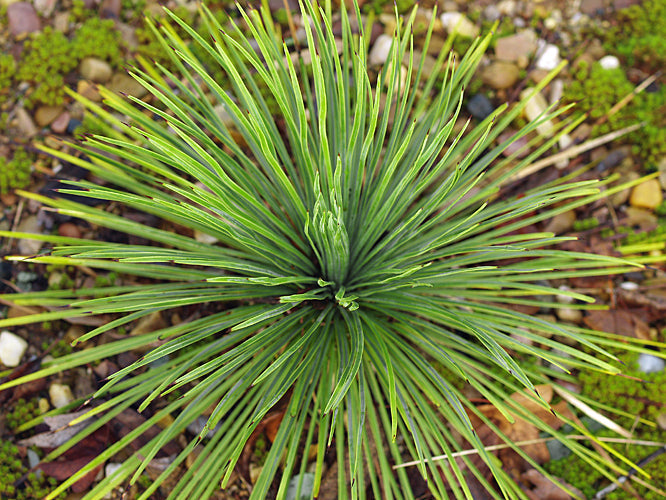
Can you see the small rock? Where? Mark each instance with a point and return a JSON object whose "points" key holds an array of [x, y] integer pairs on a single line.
{"points": [[73, 124], [500, 74], [629, 285], [535, 106], [33, 458], [255, 471], [307, 480], [110, 9], [25, 124], [12, 348], [640, 217], [491, 13], [111, 468], [22, 19], [44, 7], [455, 22], [61, 21], [44, 405], [621, 197], [29, 224], [517, 146], [564, 141], [661, 421], [125, 84], [204, 238], [571, 315], [507, 7], [380, 50], [60, 395], [647, 195], [561, 223], [88, 90], [549, 58], [59, 125], [480, 106], [609, 62], [69, 230], [647, 363], [150, 323], [562, 298], [512, 48], [95, 70], [556, 90], [46, 114]]}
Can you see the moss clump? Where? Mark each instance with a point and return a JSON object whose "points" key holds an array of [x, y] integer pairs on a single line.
{"points": [[12, 472], [23, 412], [585, 224], [98, 38], [15, 172], [639, 36], [597, 90], [647, 399], [45, 60], [7, 71]]}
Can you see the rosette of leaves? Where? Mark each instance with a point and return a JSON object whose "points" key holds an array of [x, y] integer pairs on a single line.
{"points": [[360, 242]]}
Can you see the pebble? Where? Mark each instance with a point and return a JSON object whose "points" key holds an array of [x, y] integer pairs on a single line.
{"points": [[59, 125], [609, 62], [640, 217], [549, 58], [455, 22], [307, 482], [204, 238], [500, 74], [507, 7], [571, 315], [111, 468], [95, 69], [12, 349], [561, 223], [514, 47], [535, 106], [380, 50], [61, 21], [29, 224], [517, 145], [60, 395], [647, 195], [629, 285], [124, 83], [556, 90], [22, 19], [647, 363], [69, 230], [110, 9], [480, 106], [491, 13], [25, 124], [72, 125], [44, 7], [46, 114], [88, 90]]}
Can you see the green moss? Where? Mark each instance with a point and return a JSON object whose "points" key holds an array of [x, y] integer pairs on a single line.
{"points": [[45, 60], [7, 72], [639, 35], [100, 39], [585, 224], [22, 412], [597, 90], [15, 172], [12, 471], [646, 399], [78, 11]]}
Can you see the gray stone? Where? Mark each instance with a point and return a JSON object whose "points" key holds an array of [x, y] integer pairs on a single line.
{"points": [[456, 22], [480, 106], [647, 363], [549, 57], [25, 124], [29, 224], [45, 7], [22, 19]]}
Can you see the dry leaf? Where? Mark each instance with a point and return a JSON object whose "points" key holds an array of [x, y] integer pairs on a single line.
{"points": [[618, 321]]}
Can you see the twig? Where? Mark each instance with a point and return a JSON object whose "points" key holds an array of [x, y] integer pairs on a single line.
{"points": [[573, 151], [495, 447], [618, 481], [627, 99]]}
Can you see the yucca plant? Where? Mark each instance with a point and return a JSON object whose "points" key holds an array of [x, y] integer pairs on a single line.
{"points": [[359, 265]]}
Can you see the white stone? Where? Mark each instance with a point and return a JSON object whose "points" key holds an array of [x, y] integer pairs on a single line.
{"points": [[535, 106], [609, 62], [12, 348], [564, 299], [648, 363], [565, 141], [549, 58], [204, 238], [455, 22], [60, 394], [629, 285], [111, 468], [556, 90], [380, 50], [571, 315]]}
